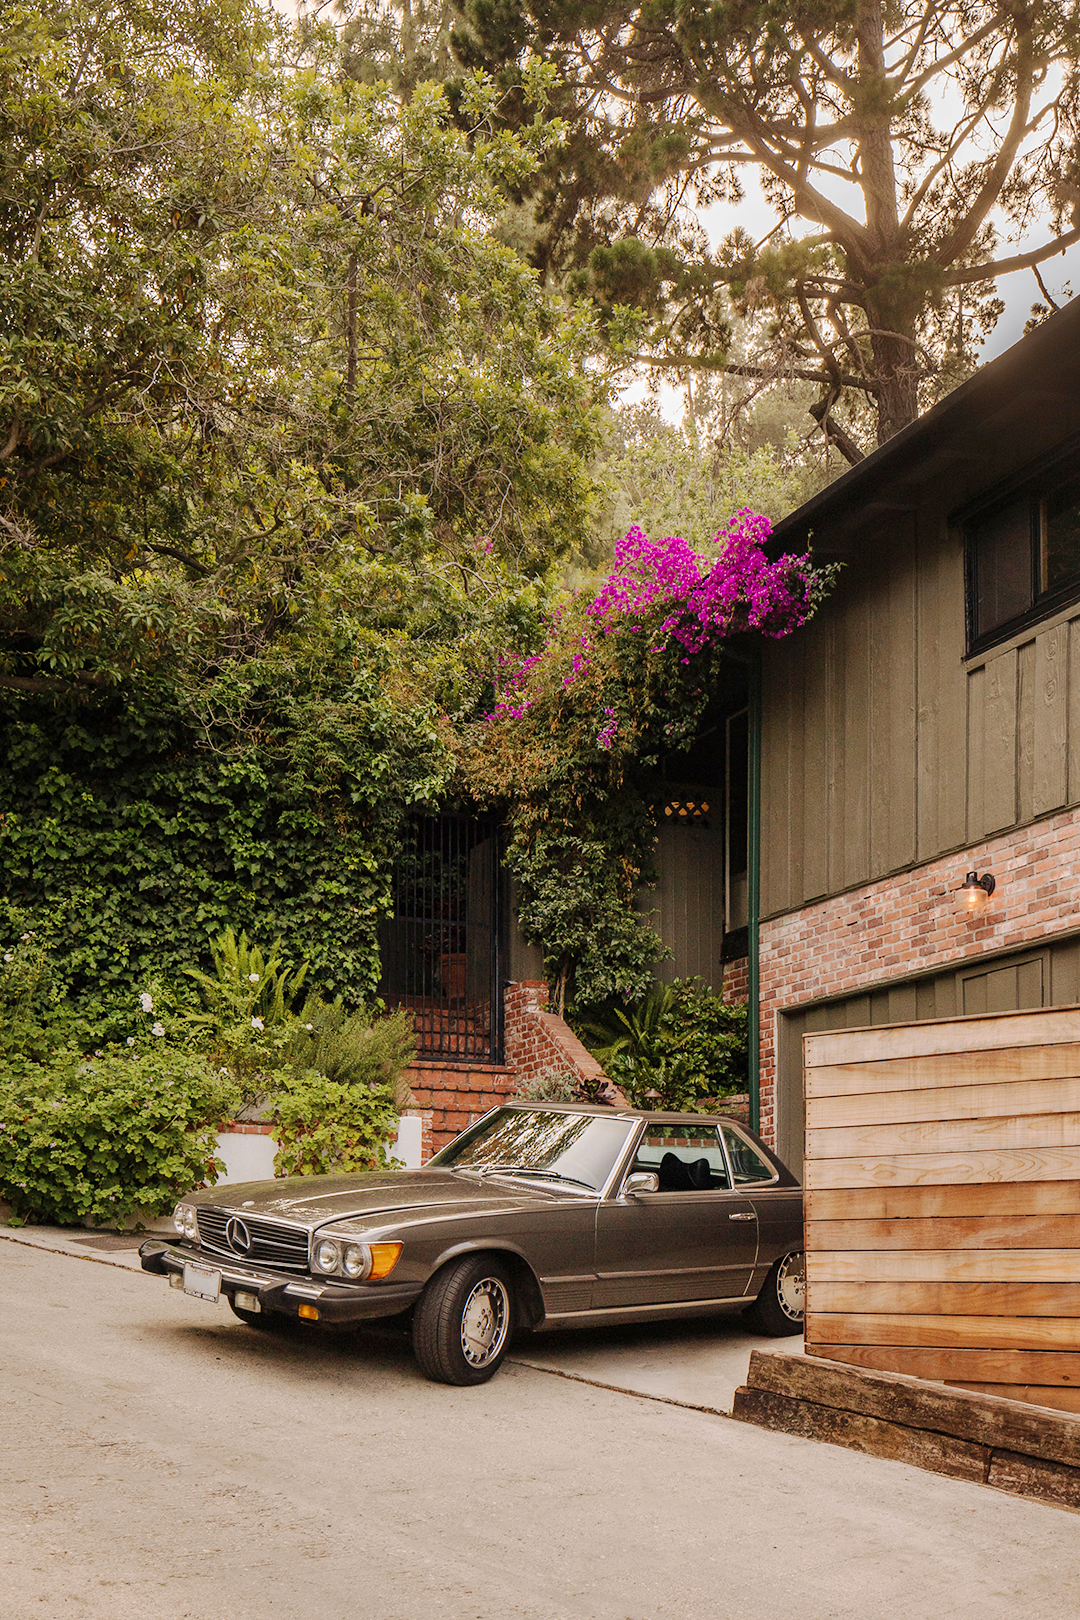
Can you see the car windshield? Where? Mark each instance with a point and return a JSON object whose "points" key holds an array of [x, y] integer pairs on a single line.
{"points": [[579, 1149]]}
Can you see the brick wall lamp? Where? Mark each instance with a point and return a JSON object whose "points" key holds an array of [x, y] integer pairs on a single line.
{"points": [[975, 891]]}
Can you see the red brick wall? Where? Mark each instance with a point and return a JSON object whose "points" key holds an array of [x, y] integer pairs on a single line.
{"points": [[736, 986], [909, 924], [538, 1042], [455, 1094]]}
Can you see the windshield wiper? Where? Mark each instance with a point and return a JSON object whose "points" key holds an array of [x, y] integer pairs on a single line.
{"points": [[527, 1170]]}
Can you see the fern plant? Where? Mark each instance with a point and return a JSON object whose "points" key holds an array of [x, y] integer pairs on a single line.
{"points": [[630, 1034], [679, 1047], [351, 1049], [246, 1016]]}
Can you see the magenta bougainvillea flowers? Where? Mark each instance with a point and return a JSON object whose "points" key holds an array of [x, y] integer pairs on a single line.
{"points": [[673, 597]]}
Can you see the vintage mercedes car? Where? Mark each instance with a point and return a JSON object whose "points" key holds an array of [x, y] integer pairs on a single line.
{"points": [[538, 1216]]}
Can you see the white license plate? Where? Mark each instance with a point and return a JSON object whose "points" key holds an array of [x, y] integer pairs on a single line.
{"points": [[202, 1282]]}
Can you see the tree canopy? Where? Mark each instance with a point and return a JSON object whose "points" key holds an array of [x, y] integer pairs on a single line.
{"points": [[259, 340], [292, 442], [909, 151]]}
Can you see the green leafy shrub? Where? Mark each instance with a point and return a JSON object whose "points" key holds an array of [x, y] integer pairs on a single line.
{"points": [[32, 1015], [105, 1137], [553, 1086], [322, 1126], [678, 1047], [352, 1049]]}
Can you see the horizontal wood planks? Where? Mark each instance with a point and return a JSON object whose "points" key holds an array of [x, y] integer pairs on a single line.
{"points": [[943, 1200], [943, 1036]]}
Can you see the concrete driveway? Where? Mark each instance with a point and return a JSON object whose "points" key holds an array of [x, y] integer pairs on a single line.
{"points": [[163, 1462], [698, 1364]]}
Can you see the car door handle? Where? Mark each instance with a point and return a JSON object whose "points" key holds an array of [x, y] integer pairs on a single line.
{"points": [[743, 1217]]}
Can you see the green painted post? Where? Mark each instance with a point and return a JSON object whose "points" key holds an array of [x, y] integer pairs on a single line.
{"points": [[753, 886]]}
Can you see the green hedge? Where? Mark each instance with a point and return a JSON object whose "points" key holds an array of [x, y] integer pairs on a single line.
{"points": [[127, 842], [109, 1136]]}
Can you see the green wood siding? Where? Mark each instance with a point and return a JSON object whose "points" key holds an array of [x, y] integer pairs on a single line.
{"points": [[882, 747]]}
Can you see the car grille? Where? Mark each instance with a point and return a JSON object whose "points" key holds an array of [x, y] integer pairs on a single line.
{"points": [[272, 1243]]}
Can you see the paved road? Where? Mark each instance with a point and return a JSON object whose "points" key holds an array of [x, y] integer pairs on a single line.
{"points": [[160, 1461]]}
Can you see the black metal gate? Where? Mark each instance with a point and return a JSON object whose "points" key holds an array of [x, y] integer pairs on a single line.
{"points": [[440, 950]]}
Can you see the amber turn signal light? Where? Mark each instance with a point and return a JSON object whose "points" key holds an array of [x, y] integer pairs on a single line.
{"points": [[384, 1257], [310, 1313]]}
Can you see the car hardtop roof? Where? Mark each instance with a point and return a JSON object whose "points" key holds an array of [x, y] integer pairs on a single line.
{"points": [[615, 1111]]}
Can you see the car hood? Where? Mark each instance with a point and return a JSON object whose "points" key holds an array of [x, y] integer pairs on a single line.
{"points": [[313, 1200]]}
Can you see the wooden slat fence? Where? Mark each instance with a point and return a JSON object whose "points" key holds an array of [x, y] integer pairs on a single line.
{"points": [[943, 1201]]}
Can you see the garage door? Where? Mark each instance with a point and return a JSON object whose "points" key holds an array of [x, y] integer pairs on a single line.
{"points": [[1049, 977]]}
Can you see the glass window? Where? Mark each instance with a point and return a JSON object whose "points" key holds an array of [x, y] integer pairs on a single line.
{"points": [[747, 1164], [1060, 559], [541, 1143], [685, 1158], [1002, 565], [1023, 554]]}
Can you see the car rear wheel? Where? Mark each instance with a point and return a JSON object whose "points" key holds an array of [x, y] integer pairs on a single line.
{"points": [[463, 1321], [779, 1309]]}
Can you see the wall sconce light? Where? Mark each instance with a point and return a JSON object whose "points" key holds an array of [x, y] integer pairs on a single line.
{"points": [[975, 891]]}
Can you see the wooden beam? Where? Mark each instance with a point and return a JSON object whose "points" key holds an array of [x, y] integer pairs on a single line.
{"points": [[946, 1298], [948, 1232], [1041, 1367], [973, 1199], [906, 1074], [1050, 1027], [944, 1265], [948, 1135], [938, 1453], [945, 1169], [1016, 1099], [945, 1332], [983, 1419]]}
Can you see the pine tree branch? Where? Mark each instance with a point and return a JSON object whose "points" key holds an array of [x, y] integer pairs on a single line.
{"points": [[1020, 261]]}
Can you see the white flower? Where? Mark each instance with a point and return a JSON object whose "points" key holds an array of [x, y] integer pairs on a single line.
{"points": [[256, 1023], [8, 957], [309, 1026], [158, 1029], [146, 1002], [131, 1040], [253, 978]]}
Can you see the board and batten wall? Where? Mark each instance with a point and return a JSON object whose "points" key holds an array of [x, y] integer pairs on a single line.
{"points": [[687, 905], [943, 1201], [882, 747]]}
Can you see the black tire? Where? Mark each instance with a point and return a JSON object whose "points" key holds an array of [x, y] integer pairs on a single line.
{"points": [[778, 1310], [464, 1320]]}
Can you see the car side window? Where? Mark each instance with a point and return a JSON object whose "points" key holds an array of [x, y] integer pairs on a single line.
{"points": [[684, 1158], [747, 1164]]}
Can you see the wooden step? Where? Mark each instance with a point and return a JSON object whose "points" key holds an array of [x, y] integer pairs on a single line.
{"points": [[1011, 1445]]}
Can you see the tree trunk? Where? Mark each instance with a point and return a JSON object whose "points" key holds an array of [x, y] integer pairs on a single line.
{"points": [[892, 331], [896, 372]]}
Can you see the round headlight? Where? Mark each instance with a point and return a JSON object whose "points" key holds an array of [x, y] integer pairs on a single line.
{"points": [[327, 1255], [178, 1219], [191, 1222], [357, 1261]]}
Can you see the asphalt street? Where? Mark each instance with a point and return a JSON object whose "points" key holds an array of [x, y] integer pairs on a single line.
{"points": [[161, 1461]]}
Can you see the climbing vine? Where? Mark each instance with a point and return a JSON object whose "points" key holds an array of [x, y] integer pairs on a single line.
{"points": [[574, 741]]}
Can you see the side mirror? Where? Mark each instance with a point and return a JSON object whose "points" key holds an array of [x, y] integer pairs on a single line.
{"points": [[642, 1181]]}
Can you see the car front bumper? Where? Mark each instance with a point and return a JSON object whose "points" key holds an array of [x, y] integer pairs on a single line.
{"points": [[282, 1292]]}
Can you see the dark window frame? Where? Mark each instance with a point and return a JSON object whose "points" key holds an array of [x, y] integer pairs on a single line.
{"points": [[1036, 483]]}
